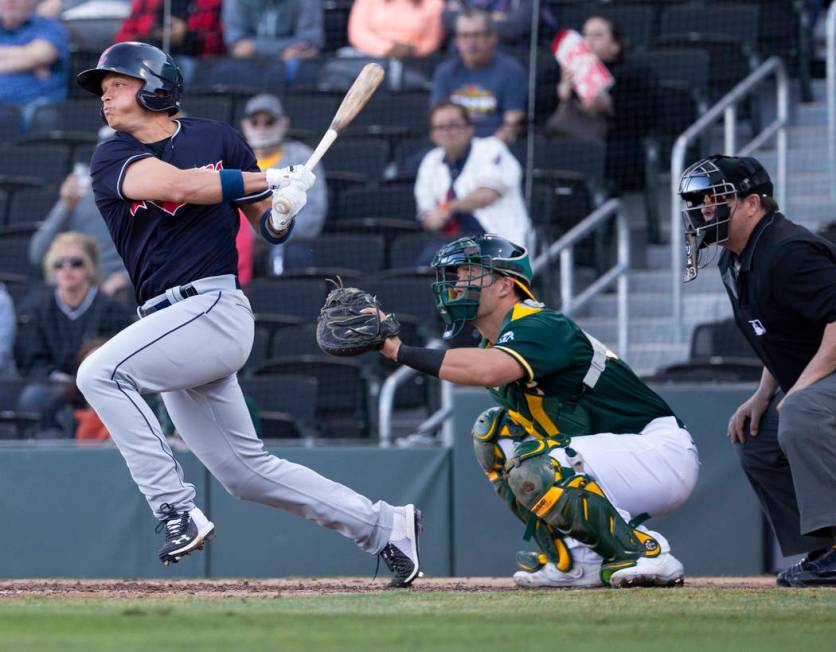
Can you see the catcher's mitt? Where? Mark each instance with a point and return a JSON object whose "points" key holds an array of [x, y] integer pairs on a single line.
{"points": [[344, 329]]}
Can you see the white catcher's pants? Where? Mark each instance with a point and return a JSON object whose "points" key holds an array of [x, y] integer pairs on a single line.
{"points": [[651, 472], [190, 353]]}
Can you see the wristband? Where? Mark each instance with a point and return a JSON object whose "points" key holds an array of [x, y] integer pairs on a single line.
{"points": [[267, 234], [232, 185], [421, 359]]}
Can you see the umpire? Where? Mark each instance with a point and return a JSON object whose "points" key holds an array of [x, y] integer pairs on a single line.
{"points": [[781, 280]]}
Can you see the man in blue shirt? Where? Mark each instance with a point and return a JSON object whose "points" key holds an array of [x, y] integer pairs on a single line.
{"points": [[492, 86], [33, 56]]}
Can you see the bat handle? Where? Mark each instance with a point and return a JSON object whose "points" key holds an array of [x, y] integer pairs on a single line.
{"points": [[324, 145]]}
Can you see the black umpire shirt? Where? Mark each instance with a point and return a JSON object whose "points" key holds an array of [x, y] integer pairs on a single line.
{"points": [[783, 292]]}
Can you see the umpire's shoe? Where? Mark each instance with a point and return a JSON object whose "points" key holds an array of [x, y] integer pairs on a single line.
{"points": [[816, 569], [184, 532], [401, 552]]}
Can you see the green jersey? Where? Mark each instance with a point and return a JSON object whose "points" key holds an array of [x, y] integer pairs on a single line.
{"points": [[556, 355]]}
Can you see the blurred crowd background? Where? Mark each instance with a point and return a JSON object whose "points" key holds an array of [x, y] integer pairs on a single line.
{"points": [[466, 80]]}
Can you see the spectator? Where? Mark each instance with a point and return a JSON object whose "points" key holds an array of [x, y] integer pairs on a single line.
{"points": [[196, 29], [60, 324], [265, 126], [628, 108], [288, 29], [466, 185], [397, 29], [76, 211], [34, 54], [492, 86], [512, 18], [88, 424], [7, 334]]}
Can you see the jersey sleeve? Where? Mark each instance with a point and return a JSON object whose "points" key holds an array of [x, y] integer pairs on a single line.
{"points": [[239, 155], [538, 345], [110, 161], [805, 281], [499, 170]]}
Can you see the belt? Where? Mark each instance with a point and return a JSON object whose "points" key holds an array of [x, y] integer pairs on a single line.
{"points": [[181, 292]]}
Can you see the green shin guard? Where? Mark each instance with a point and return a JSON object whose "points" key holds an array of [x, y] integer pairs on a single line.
{"points": [[487, 430], [574, 505]]}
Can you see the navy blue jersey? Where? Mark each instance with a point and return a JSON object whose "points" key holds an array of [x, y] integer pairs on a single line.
{"points": [[164, 244]]}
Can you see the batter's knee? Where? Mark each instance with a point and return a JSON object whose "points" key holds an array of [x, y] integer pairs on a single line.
{"points": [[89, 373]]}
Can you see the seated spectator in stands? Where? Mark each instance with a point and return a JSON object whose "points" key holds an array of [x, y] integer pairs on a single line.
{"points": [[60, 323], [8, 325], [76, 211], [196, 29], [88, 424], [288, 29], [265, 126], [628, 107], [467, 185], [491, 85], [34, 55], [397, 29], [512, 18]]}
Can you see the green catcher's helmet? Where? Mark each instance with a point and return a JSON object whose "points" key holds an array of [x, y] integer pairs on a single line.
{"points": [[457, 299]]}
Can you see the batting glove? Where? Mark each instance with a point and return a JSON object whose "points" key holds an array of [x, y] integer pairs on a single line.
{"points": [[290, 187]]}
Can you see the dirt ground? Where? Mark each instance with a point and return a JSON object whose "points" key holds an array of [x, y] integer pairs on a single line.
{"points": [[289, 587]]}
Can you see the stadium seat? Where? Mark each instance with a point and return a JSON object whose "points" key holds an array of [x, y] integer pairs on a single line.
{"points": [[584, 157], [14, 256], [251, 76], [389, 200], [360, 252], [406, 109], [297, 297], [311, 111], [636, 21], [685, 67], [335, 24], [710, 371], [342, 401], [48, 163], [292, 395], [407, 291], [209, 105], [390, 229], [406, 250], [73, 115], [4, 206], [409, 152], [11, 124], [362, 154], [560, 200], [720, 339], [31, 205]]}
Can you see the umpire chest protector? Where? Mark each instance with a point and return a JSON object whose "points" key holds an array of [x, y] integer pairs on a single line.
{"points": [[783, 293]]}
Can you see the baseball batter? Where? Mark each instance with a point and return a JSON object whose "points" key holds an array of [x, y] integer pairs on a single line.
{"points": [[169, 190], [580, 449]]}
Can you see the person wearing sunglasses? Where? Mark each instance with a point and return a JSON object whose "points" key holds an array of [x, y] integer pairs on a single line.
{"points": [[265, 126], [71, 313], [781, 282]]}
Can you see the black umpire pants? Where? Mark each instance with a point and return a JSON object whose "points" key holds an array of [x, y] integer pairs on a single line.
{"points": [[791, 465]]}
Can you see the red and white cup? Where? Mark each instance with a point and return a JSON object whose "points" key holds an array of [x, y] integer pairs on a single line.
{"points": [[589, 75]]}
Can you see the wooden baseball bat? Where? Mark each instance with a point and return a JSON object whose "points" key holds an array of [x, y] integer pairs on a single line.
{"points": [[355, 99]]}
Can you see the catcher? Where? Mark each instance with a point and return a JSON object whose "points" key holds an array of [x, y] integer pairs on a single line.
{"points": [[579, 448]]}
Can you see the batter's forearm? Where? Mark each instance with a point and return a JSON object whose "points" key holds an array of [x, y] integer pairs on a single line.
{"points": [[204, 186]]}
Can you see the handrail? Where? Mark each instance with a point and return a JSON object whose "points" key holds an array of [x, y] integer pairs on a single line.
{"points": [[727, 107], [830, 28], [564, 247]]}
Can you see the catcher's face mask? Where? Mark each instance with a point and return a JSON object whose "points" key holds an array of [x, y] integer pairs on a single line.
{"points": [[461, 271], [706, 212]]}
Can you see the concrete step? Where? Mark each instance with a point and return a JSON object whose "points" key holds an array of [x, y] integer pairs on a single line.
{"points": [[702, 307], [659, 281], [641, 330]]}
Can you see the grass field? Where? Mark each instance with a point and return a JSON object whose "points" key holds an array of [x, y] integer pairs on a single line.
{"points": [[701, 619]]}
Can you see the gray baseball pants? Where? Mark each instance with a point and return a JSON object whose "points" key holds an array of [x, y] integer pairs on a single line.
{"points": [[190, 352], [791, 465]]}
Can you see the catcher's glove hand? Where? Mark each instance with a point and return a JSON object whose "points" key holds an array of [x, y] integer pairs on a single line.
{"points": [[350, 323]]}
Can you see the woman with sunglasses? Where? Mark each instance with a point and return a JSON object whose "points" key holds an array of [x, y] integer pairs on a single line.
{"points": [[60, 323]]}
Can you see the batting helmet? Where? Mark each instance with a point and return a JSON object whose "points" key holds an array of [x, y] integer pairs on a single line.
{"points": [[457, 299], [162, 82]]}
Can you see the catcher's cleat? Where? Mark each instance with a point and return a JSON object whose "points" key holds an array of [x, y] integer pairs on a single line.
{"points": [[663, 570], [401, 553], [580, 576], [184, 533]]}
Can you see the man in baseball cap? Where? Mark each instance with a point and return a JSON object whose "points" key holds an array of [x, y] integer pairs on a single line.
{"points": [[265, 126]]}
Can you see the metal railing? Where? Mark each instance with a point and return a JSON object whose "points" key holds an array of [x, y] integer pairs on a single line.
{"points": [[564, 249], [727, 108], [831, 95]]}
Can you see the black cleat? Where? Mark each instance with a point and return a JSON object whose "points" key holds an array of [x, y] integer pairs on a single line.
{"points": [[184, 533], [401, 555], [817, 569]]}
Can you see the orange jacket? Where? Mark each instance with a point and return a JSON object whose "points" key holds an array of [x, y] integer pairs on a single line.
{"points": [[374, 26]]}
